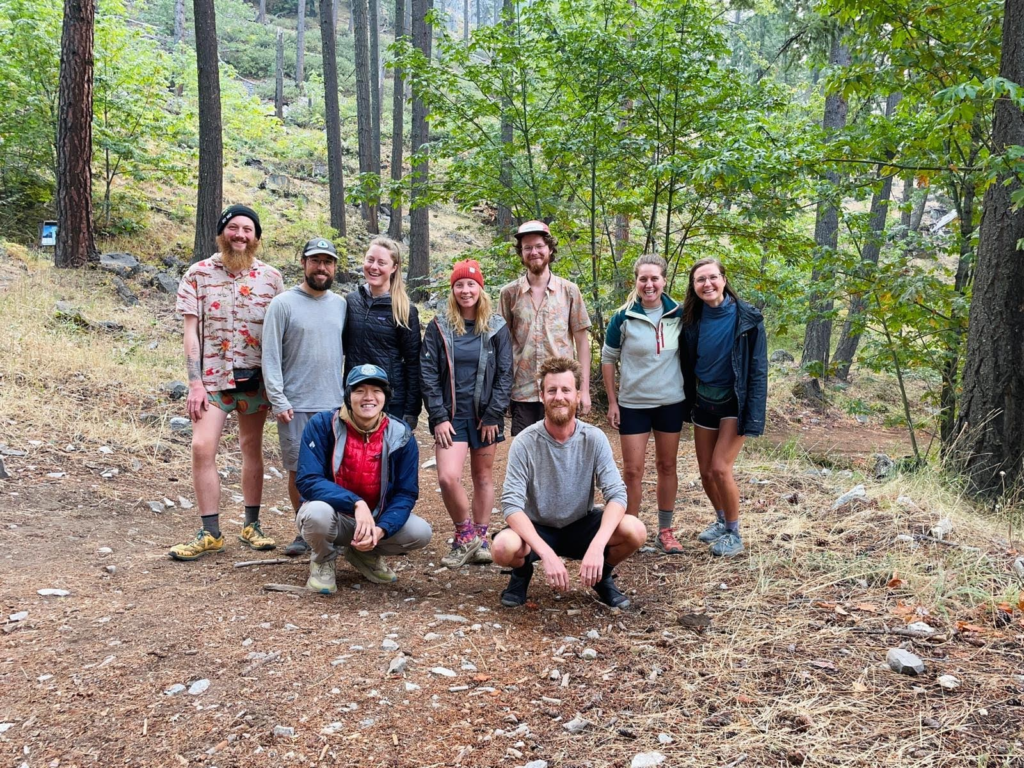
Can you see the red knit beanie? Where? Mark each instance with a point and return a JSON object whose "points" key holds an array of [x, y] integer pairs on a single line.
{"points": [[469, 268]]}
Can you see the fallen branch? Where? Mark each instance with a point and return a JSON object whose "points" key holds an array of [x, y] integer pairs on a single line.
{"points": [[271, 561], [741, 759], [293, 588], [933, 540], [901, 633], [260, 662]]}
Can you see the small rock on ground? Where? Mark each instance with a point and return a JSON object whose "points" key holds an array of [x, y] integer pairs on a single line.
{"points": [[198, 687], [389, 645], [284, 730], [53, 592], [904, 662], [576, 725], [856, 496], [647, 760], [948, 682], [442, 672], [397, 665]]}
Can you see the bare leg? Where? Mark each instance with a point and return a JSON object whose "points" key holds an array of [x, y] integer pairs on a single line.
{"points": [[727, 448], [293, 491], [627, 538], [450, 462], [508, 549], [634, 450], [666, 449], [250, 441], [481, 462], [704, 445], [206, 434]]}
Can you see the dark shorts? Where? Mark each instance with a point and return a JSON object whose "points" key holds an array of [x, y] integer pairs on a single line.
{"points": [[661, 418], [466, 432], [525, 414], [708, 414], [573, 540]]}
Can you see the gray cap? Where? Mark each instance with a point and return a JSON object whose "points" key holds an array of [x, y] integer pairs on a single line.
{"points": [[320, 245]]}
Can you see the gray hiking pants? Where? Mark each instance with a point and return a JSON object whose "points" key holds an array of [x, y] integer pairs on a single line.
{"points": [[326, 530]]}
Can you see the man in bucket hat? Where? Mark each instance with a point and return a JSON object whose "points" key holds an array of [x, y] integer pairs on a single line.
{"points": [[358, 474], [303, 358], [547, 318]]}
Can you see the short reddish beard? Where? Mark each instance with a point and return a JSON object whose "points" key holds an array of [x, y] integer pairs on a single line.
{"points": [[234, 262], [556, 418]]}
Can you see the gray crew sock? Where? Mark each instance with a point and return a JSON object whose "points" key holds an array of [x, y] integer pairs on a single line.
{"points": [[720, 514], [733, 526], [252, 513], [211, 524], [664, 518]]}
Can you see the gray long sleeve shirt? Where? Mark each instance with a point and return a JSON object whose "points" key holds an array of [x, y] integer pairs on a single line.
{"points": [[302, 351], [552, 482]]}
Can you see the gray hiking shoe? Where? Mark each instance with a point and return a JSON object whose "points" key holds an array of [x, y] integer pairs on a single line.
{"points": [[712, 533], [482, 556], [321, 578], [297, 547], [461, 553], [372, 566], [728, 544]]}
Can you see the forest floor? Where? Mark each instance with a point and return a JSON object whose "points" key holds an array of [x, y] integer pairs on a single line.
{"points": [[774, 658]]}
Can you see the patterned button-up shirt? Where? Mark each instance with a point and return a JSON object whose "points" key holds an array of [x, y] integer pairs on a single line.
{"points": [[230, 308], [540, 333]]}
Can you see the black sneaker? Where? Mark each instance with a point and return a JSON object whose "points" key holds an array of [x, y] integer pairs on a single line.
{"points": [[514, 594], [608, 593], [297, 547]]}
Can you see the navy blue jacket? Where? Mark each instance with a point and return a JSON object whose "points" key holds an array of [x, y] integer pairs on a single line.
{"points": [[323, 446], [749, 364]]}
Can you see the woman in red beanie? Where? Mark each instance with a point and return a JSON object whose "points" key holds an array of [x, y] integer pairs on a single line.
{"points": [[466, 379]]}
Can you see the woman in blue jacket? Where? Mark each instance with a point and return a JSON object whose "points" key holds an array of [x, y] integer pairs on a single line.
{"points": [[466, 380], [725, 374]]}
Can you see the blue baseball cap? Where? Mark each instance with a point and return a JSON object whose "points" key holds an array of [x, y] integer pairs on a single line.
{"points": [[366, 372]]}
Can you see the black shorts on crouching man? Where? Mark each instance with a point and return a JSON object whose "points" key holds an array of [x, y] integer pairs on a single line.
{"points": [[572, 541]]}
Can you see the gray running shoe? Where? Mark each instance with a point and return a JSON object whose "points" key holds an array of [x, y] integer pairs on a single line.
{"points": [[297, 547], [321, 578], [482, 556], [712, 533], [728, 544], [372, 566], [461, 553]]}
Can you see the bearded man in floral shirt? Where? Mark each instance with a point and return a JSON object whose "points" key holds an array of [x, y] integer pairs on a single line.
{"points": [[223, 300]]}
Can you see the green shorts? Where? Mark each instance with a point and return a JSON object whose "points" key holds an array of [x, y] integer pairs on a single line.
{"points": [[229, 400]]}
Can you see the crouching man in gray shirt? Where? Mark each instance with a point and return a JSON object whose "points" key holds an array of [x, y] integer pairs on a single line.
{"points": [[548, 498]]}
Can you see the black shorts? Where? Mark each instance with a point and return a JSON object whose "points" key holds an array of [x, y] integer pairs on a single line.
{"points": [[661, 418], [709, 414], [573, 540], [524, 414], [466, 432]]}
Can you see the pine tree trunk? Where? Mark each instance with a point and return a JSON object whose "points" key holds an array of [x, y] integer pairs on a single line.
{"points": [[261, 14], [75, 244], [211, 143], [397, 128], [419, 213], [279, 84], [479, 17], [818, 332], [336, 179], [465, 21], [300, 47], [373, 26], [364, 106], [179, 21], [991, 424], [503, 220], [854, 325]]}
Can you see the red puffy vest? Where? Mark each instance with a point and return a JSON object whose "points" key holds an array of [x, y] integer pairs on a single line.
{"points": [[360, 470]]}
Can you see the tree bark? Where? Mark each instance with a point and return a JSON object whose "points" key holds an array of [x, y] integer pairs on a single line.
{"points": [[854, 325], [261, 14], [211, 143], [465, 21], [75, 244], [336, 179], [818, 332], [279, 84], [419, 213], [373, 26], [503, 219], [300, 46], [179, 20], [364, 106], [991, 423], [397, 129]]}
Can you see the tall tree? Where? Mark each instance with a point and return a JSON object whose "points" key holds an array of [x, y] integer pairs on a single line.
{"points": [[300, 46], [465, 21], [818, 332], [364, 107], [397, 130], [991, 423], [211, 142], [419, 211], [373, 25], [75, 244], [503, 218], [179, 20], [335, 177], [869, 253], [279, 81], [261, 14]]}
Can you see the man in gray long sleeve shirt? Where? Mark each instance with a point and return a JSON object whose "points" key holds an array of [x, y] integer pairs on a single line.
{"points": [[303, 357], [548, 498]]}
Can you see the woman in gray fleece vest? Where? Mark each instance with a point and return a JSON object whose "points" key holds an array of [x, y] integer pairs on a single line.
{"points": [[643, 339]]}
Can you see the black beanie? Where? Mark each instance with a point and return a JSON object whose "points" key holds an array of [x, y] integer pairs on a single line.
{"points": [[239, 210]]}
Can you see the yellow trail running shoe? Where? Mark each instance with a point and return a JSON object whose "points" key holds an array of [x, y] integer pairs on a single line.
{"points": [[203, 543], [254, 537]]}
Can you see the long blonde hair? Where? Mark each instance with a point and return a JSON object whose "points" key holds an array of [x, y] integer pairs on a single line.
{"points": [[484, 310], [647, 258], [399, 298]]}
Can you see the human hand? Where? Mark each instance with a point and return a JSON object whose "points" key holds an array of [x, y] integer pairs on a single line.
{"points": [[614, 416], [592, 566], [364, 522], [554, 571], [444, 434], [412, 421], [488, 433], [198, 401], [285, 416], [585, 403], [370, 542]]}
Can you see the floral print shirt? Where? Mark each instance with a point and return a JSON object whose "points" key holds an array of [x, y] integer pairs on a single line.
{"points": [[540, 333], [230, 308]]}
